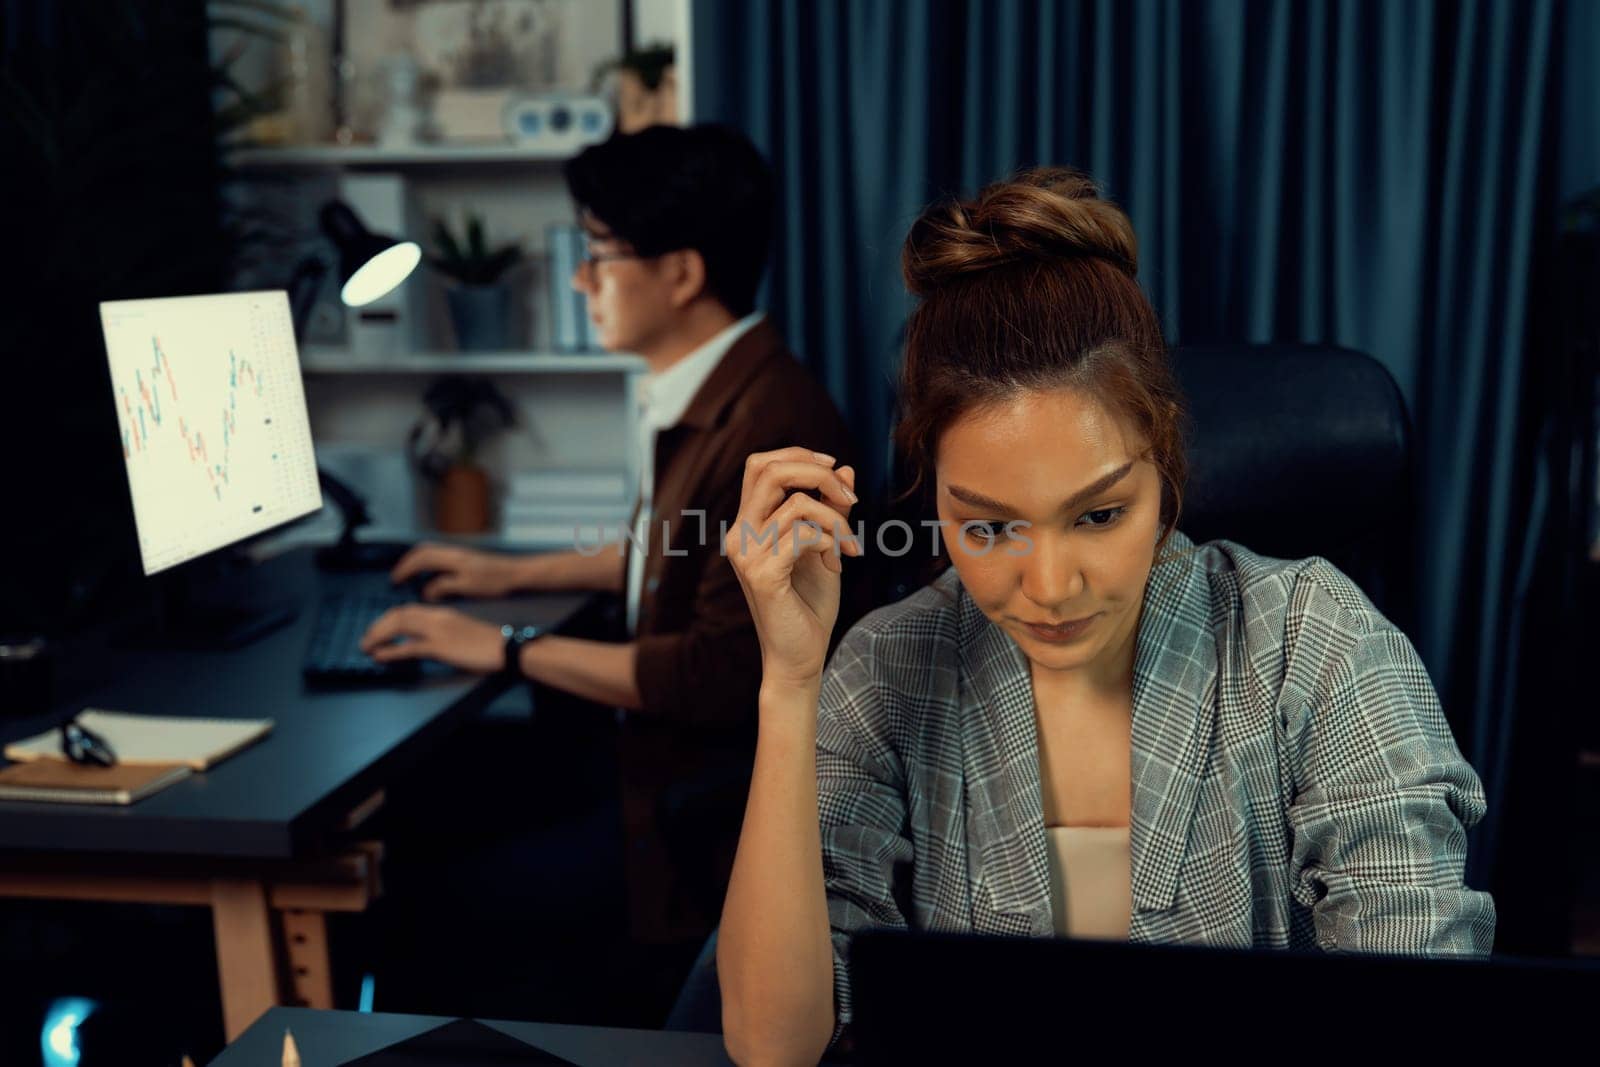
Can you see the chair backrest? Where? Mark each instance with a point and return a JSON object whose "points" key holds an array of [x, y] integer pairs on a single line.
{"points": [[1294, 451], [1301, 450]]}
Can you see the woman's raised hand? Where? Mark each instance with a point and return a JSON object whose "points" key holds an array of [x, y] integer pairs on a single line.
{"points": [[785, 547]]}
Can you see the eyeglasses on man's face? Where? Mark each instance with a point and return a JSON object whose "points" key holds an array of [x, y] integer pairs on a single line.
{"points": [[592, 255]]}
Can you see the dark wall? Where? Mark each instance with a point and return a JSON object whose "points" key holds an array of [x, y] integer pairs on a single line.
{"points": [[109, 191]]}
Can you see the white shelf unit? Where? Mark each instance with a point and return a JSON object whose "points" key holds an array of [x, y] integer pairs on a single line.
{"points": [[377, 157], [575, 411], [326, 359]]}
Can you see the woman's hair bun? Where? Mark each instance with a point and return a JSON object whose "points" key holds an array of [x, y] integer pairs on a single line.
{"points": [[1039, 214]]}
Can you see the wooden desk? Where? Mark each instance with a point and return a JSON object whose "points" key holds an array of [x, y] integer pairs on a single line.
{"points": [[271, 839], [326, 1038]]}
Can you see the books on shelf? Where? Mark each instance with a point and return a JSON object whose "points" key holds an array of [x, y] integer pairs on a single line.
{"points": [[570, 327], [565, 508], [563, 486]]}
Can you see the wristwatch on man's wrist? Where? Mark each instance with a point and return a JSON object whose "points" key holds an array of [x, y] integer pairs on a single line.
{"points": [[516, 637]]}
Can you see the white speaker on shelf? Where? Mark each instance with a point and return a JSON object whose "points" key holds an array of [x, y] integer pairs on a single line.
{"points": [[561, 123]]}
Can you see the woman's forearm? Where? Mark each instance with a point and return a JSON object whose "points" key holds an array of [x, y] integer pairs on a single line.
{"points": [[774, 951]]}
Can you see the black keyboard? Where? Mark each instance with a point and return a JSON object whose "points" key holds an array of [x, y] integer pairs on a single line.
{"points": [[334, 656]]}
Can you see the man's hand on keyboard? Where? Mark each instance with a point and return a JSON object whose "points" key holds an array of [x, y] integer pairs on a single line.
{"points": [[425, 631], [458, 571]]}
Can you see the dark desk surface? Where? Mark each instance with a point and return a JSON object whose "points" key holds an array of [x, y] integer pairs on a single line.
{"points": [[328, 1038], [327, 752]]}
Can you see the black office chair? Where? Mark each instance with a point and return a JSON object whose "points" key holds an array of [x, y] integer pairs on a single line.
{"points": [[1294, 451], [1302, 450]]}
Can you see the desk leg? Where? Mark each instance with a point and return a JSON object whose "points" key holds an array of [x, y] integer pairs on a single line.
{"points": [[247, 968], [306, 933]]}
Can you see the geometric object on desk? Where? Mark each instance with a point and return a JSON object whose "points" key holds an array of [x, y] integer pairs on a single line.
{"points": [[215, 434], [462, 1043]]}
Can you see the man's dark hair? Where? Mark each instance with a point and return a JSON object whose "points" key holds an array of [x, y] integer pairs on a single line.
{"points": [[669, 188]]}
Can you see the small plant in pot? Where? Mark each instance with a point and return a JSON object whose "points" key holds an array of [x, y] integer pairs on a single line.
{"points": [[480, 302], [461, 416]]}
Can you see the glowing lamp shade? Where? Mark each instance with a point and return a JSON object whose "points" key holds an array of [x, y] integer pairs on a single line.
{"points": [[370, 264], [381, 273]]}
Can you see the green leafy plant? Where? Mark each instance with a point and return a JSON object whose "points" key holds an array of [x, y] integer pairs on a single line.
{"points": [[650, 63], [461, 414], [468, 260]]}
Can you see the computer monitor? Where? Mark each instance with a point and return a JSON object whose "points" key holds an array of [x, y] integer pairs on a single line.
{"points": [[213, 420], [216, 440], [925, 997]]}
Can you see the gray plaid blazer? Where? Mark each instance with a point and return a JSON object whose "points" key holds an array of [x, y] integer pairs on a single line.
{"points": [[1294, 781]]}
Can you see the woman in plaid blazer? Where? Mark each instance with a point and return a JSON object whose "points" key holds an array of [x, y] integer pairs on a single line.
{"points": [[1270, 742]]}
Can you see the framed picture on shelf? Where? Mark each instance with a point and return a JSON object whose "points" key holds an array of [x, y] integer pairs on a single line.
{"points": [[448, 70]]}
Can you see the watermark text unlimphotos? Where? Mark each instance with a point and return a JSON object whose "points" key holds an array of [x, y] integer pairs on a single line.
{"points": [[893, 538]]}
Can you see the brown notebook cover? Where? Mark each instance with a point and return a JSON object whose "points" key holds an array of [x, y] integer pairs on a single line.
{"points": [[73, 783]]}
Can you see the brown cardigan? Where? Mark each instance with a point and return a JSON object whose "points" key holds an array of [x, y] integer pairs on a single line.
{"points": [[685, 758]]}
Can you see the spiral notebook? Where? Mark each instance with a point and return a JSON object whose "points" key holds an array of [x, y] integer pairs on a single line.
{"points": [[150, 740], [55, 781]]}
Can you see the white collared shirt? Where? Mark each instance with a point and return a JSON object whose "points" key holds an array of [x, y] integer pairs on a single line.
{"points": [[662, 400]]}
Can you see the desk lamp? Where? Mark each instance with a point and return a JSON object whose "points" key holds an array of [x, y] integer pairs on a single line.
{"points": [[370, 266]]}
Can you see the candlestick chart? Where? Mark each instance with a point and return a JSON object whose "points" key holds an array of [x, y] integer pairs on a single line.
{"points": [[212, 417]]}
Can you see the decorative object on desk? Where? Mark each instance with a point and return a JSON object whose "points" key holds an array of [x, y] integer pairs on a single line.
{"points": [[27, 665], [571, 329], [558, 123], [461, 415], [646, 87], [460, 1042], [150, 740], [479, 301]]}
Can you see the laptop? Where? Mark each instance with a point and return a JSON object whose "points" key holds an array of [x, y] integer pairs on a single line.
{"points": [[944, 998]]}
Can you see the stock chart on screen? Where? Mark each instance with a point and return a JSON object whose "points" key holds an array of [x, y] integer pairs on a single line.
{"points": [[211, 413]]}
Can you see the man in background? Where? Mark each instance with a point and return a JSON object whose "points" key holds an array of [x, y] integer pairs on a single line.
{"points": [[678, 224]]}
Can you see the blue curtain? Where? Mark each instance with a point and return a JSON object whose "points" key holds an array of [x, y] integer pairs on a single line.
{"points": [[1372, 174]]}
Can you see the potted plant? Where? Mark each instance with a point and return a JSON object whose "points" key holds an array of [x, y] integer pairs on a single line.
{"points": [[646, 88], [460, 416], [479, 300]]}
